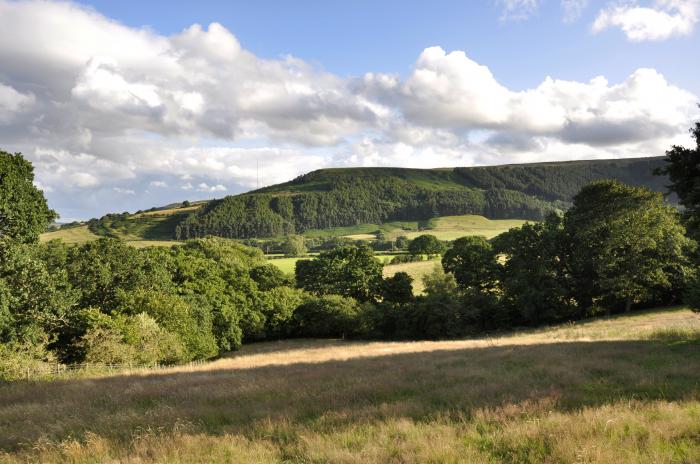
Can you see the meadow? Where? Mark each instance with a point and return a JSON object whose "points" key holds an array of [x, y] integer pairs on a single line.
{"points": [[622, 389]]}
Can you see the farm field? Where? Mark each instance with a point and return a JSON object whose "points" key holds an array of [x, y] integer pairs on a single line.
{"points": [[416, 270], [623, 389], [70, 235], [454, 227], [287, 265]]}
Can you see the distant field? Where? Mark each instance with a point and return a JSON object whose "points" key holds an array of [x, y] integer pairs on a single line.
{"points": [[416, 270], [81, 234], [153, 243], [72, 235], [286, 265], [617, 390], [361, 229], [454, 227], [445, 228]]}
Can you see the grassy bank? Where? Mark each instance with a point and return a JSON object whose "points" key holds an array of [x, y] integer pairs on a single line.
{"points": [[613, 390]]}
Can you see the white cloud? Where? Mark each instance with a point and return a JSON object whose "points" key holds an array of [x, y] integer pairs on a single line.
{"points": [[517, 10], [203, 187], [449, 90], [661, 21], [573, 9], [102, 110], [12, 102]]}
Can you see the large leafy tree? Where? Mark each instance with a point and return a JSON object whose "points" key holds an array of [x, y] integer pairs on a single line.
{"points": [[533, 276], [627, 246], [472, 261], [349, 271], [24, 213], [426, 244], [683, 170]]}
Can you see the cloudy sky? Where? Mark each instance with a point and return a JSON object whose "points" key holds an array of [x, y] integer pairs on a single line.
{"points": [[127, 105]]}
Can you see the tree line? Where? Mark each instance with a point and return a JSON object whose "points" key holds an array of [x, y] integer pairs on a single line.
{"points": [[618, 248], [351, 201]]}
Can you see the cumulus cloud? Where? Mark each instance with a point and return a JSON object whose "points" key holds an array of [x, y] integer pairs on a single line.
{"points": [[12, 102], [451, 90], [104, 111], [660, 21]]}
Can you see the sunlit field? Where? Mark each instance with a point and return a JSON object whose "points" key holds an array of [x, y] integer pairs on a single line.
{"points": [[70, 235], [454, 227], [416, 270], [623, 389]]}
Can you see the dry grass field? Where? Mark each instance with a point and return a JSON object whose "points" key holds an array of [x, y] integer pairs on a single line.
{"points": [[416, 270], [454, 227], [623, 389], [70, 236]]}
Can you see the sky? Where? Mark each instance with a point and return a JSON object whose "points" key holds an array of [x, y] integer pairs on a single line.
{"points": [[126, 105]]}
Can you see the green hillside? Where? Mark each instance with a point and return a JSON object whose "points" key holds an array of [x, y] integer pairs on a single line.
{"points": [[331, 198], [393, 201]]}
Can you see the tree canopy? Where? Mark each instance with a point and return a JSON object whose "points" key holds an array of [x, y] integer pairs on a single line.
{"points": [[24, 213]]}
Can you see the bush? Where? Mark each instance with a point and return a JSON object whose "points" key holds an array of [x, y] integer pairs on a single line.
{"points": [[19, 358], [279, 305], [328, 316]]}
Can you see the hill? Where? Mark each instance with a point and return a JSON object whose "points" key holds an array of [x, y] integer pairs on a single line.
{"points": [[362, 202], [610, 390], [331, 198]]}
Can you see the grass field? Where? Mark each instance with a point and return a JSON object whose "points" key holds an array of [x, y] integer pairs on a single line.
{"points": [[607, 391], [81, 234], [445, 228], [416, 270], [71, 235], [454, 227], [287, 265]]}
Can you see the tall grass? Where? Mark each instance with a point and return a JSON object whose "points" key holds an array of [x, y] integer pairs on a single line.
{"points": [[527, 397]]}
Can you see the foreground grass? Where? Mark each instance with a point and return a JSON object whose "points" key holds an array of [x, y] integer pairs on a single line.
{"points": [[618, 395]]}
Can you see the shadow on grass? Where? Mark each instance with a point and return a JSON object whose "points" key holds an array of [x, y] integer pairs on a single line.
{"points": [[420, 386]]}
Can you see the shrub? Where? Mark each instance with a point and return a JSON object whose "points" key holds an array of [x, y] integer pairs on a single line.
{"points": [[328, 316]]}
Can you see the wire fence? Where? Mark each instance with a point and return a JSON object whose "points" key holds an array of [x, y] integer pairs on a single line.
{"points": [[54, 370]]}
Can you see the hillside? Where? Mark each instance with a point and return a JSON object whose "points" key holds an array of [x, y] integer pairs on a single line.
{"points": [[345, 197], [366, 201], [610, 390]]}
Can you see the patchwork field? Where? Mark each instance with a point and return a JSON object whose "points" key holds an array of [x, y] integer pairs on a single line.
{"points": [[614, 390], [416, 270], [287, 265], [71, 235], [454, 227]]}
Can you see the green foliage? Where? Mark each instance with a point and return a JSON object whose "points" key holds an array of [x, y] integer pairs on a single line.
{"points": [[278, 306], [438, 282], [472, 261], [426, 245], [397, 288], [24, 213], [294, 245], [348, 197], [533, 278], [683, 170], [269, 277], [626, 245], [328, 316], [349, 271]]}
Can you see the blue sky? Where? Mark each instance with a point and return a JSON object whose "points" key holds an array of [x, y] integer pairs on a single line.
{"points": [[126, 105], [350, 38]]}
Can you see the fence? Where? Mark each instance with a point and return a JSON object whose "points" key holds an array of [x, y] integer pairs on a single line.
{"points": [[53, 370]]}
